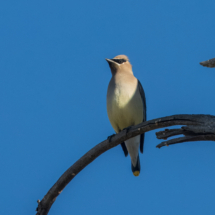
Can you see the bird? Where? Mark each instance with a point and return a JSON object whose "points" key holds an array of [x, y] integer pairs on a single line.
{"points": [[126, 106]]}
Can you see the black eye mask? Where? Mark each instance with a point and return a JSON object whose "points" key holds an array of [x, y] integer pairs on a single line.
{"points": [[119, 61]]}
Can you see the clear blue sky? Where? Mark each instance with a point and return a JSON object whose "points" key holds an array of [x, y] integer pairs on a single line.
{"points": [[53, 83]]}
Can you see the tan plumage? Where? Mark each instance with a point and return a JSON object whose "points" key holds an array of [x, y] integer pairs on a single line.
{"points": [[126, 104]]}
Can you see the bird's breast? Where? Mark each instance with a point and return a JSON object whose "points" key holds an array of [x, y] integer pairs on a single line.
{"points": [[122, 105], [120, 94]]}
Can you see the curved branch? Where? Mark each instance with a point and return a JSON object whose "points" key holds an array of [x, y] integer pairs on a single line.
{"points": [[195, 125]]}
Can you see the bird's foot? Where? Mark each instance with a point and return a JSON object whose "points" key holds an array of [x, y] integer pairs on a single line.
{"points": [[110, 137], [127, 129]]}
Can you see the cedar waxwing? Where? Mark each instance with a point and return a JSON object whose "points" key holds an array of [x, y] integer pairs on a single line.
{"points": [[126, 106]]}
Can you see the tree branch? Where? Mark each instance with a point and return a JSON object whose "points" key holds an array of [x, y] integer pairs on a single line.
{"points": [[187, 139], [198, 127], [208, 63]]}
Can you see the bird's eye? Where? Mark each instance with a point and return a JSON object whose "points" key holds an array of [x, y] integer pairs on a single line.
{"points": [[122, 61]]}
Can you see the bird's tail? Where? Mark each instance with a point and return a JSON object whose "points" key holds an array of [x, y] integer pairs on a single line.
{"points": [[136, 169]]}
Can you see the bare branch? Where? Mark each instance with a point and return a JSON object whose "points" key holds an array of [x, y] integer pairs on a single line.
{"points": [[169, 133], [187, 139], [198, 127], [208, 63]]}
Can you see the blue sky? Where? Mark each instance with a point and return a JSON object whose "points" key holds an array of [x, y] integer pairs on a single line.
{"points": [[53, 83]]}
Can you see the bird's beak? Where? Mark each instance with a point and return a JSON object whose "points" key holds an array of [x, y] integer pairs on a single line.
{"points": [[110, 61]]}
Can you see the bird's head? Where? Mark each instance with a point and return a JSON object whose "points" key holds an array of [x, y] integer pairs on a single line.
{"points": [[120, 63]]}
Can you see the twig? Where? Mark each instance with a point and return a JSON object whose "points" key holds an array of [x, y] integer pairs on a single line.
{"points": [[208, 63]]}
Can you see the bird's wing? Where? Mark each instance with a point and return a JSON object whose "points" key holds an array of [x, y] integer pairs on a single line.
{"points": [[142, 94]]}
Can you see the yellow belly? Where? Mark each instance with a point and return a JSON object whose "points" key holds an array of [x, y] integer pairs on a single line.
{"points": [[124, 109]]}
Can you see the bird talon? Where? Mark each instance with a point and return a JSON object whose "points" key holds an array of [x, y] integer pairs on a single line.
{"points": [[127, 129], [110, 137]]}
